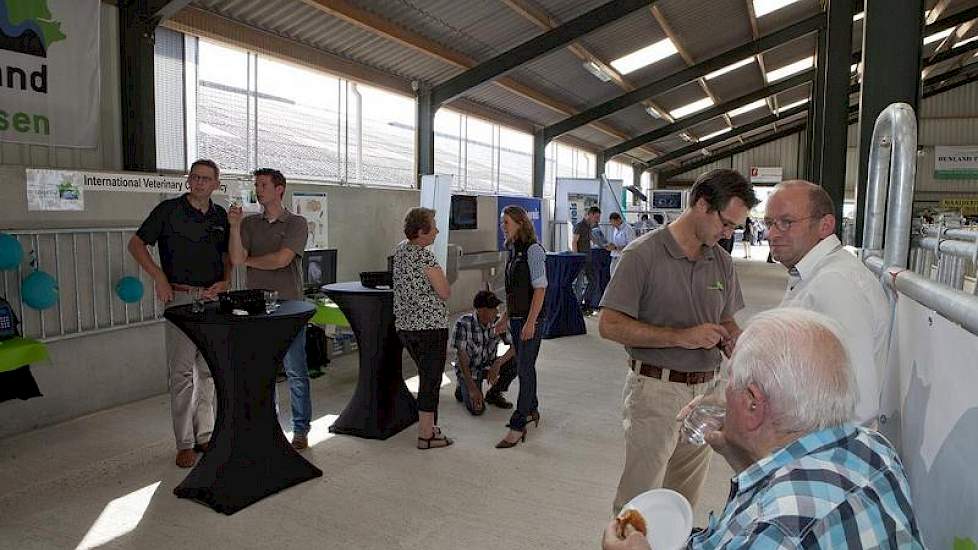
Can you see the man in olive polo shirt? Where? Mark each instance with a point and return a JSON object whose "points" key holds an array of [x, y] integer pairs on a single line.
{"points": [[671, 302], [271, 245], [192, 235]]}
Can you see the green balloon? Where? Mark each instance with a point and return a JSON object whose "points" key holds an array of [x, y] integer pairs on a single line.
{"points": [[11, 252]]}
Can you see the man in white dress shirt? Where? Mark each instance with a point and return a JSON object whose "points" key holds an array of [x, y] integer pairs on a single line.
{"points": [[824, 277], [622, 234]]}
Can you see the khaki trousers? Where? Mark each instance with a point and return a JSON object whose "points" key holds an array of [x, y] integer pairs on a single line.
{"points": [[191, 385], [655, 455]]}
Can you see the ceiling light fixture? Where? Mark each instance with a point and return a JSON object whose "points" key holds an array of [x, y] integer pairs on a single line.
{"points": [[728, 68], [748, 108], [858, 16], [691, 108], [596, 70], [764, 7], [792, 105], [938, 36], [645, 56], [714, 134], [790, 69], [652, 112]]}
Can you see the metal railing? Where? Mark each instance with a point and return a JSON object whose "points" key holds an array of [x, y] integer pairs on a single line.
{"points": [[86, 263], [892, 169]]}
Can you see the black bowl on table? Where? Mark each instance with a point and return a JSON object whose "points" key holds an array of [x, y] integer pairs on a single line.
{"points": [[377, 279]]}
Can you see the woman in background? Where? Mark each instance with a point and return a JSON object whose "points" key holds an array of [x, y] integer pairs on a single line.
{"points": [[526, 285], [421, 317]]}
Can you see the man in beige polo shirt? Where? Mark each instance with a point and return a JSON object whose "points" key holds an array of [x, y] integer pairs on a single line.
{"points": [[271, 245], [671, 302]]}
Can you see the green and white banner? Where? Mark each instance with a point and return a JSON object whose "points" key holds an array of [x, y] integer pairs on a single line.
{"points": [[956, 163], [49, 72]]}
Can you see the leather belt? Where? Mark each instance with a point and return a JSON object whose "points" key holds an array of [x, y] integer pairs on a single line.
{"points": [[653, 371]]}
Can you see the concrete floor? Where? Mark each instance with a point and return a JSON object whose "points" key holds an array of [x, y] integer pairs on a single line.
{"points": [[106, 480]]}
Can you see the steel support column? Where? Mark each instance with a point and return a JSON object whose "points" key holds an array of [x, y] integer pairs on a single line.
{"points": [[892, 34], [816, 119], [599, 164], [424, 132], [539, 162], [637, 170], [137, 87], [834, 111]]}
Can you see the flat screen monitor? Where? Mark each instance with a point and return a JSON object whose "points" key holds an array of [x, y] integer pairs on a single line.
{"points": [[667, 200], [318, 268], [464, 213]]}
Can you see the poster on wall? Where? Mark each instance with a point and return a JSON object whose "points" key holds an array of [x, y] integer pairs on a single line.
{"points": [[956, 163], [312, 207], [578, 204], [766, 174], [533, 210], [49, 51], [54, 190]]}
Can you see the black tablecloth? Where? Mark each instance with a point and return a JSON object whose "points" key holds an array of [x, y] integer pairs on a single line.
{"points": [[601, 264], [381, 405], [249, 457], [18, 384], [562, 314]]}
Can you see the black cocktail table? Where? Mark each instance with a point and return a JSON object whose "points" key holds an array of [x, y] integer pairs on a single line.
{"points": [[381, 405], [249, 457]]}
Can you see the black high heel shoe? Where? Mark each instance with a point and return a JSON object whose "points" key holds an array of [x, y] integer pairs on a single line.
{"points": [[505, 444]]}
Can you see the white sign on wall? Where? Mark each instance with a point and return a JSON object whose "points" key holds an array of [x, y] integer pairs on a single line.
{"points": [[49, 52], [312, 207], [766, 174], [956, 163]]}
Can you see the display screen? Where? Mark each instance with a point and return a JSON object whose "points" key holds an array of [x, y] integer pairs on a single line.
{"points": [[464, 213], [318, 268], [667, 200]]}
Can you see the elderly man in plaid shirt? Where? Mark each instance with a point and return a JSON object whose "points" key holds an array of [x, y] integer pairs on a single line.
{"points": [[475, 342], [807, 476]]}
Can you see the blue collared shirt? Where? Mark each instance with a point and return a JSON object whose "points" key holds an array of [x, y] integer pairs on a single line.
{"points": [[842, 487]]}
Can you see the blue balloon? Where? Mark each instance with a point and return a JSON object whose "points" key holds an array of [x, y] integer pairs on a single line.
{"points": [[129, 289], [39, 290], [11, 252]]}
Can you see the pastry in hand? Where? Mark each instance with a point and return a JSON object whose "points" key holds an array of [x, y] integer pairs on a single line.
{"points": [[631, 518]]}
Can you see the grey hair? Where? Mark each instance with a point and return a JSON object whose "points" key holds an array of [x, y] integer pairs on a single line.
{"points": [[800, 361]]}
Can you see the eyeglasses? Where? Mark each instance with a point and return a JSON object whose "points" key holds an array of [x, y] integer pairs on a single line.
{"points": [[784, 224], [727, 224], [198, 177]]}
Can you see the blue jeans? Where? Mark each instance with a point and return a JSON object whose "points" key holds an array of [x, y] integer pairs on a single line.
{"points": [[297, 371], [526, 369]]}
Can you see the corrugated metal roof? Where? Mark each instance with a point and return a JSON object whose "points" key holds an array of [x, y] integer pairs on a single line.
{"points": [[706, 29], [745, 80], [677, 97], [786, 16], [634, 119], [561, 75], [630, 33], [789, 52], [564, 10], [504, 100]]}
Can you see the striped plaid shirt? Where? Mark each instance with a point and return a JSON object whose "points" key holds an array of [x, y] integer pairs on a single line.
{"points": [[842, 487], [477, 341]]}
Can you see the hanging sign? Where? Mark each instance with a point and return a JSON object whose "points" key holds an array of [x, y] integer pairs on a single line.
{"points": [[49, 57]]}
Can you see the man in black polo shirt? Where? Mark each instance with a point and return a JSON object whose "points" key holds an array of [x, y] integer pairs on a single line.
{"points": [[192, 235]]}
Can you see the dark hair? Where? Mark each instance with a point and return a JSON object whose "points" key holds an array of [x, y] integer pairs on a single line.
{"points": [[614, 216], [526, 234], [208, 163], [645, 216], [416, 220], [277, 178], [718, 186], [593, 210], [485, 298]]}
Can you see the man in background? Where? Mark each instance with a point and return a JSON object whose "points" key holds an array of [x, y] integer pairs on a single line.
{"points": [[271, 245], [191, 233], [622, 235], [476, 343], [582, 243]]}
